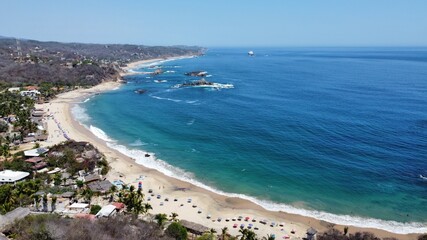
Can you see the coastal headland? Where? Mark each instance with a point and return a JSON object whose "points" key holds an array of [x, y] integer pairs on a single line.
{"points": [[193, 203]]}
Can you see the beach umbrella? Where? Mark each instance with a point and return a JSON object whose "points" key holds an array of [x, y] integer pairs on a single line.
{"points": [[247, 218], [235, 225], [140, 185]]}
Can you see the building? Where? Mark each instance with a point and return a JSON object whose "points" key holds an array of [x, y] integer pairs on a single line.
{"points": [[101, 187], [31, 93], [35, 152], [37, 163], [9, 176], [107, 211]]}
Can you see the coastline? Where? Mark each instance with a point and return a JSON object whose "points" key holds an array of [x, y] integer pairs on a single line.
{"points": [[211, 203]]}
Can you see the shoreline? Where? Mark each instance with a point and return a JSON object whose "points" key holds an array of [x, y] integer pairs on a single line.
{"points": [[209, 201]]}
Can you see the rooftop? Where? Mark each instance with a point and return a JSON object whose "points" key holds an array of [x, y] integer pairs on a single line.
{"points": [[35, 152], [12, 176], [106, 211]]}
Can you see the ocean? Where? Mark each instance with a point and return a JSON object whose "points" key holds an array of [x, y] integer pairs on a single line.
{"points": [[339, 134]]}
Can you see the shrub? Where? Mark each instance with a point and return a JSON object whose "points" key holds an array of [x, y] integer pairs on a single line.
{"points": [[177, 231], [94, 209]]}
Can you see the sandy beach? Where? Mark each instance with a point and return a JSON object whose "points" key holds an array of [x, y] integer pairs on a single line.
{"points": [[203, 202]]}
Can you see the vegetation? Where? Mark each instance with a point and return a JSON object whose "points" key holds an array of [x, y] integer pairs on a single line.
{"points": [[52, 226], [134, 200], [54, 65], [94, 209], [161, 218], [12, 196], [177, 231]]}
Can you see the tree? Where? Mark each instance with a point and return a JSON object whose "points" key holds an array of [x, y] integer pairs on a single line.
{"points": [[173, 217], [177, 231], [224, 232], [36, 201], [94, 209], [44, 201], [161, 219], [345, 230], [53, 203], [79, 183], [269, 237]]}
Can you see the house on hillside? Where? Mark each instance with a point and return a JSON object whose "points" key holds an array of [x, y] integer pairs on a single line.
{"points": [[9, 176], [35, 152], [107, 211], [37, 163], [101, 187]]}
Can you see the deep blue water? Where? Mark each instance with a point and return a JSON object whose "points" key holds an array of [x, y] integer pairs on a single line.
{"points": [[338, 130]]}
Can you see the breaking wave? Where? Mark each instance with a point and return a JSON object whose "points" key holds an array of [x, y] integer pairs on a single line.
{"points": [[79, 114]]}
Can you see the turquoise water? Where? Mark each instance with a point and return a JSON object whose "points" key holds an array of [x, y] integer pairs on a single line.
{"points": [[337, 134]]}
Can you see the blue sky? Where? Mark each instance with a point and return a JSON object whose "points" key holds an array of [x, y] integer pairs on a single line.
{"points": [[220, 22]]}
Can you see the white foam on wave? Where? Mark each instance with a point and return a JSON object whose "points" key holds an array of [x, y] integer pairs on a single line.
{"points": [[191, 122], [169, 71], [191, 101], [137, 143], [169, 99], [155, 63], [86, 100], [171, 171], [79, 114], [100, 134]]}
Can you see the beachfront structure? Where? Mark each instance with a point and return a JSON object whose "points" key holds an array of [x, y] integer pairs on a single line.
{"points": [[107, 211], [37, 163], [35, 152], [101, 187], [9, 176], [30, 93]]}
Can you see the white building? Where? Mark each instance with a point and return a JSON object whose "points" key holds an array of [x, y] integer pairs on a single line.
{"points": [[9, 176], [107, 211], [30, 93]]}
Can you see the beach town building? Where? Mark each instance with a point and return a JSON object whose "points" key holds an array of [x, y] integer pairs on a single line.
{"points": [[9, 176], [30, 93], [35, 152], [37, 163], [101, 187], [107, 211], [14, 89]]}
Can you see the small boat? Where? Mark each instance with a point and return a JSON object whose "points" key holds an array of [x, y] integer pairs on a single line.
{"points": [[251, 53]]}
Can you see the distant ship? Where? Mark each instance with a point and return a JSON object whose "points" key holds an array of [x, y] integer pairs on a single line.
{"points": [[251, 53]]}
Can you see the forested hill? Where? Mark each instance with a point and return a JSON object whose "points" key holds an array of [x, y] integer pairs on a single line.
{"points": [[33, 62]]}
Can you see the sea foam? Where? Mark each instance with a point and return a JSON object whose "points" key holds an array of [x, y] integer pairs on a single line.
{"points": [[79, 114], [175, 172]]}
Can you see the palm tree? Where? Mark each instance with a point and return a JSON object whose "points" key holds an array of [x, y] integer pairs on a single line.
{"points": [[244, 233], [269, 237], [173, 217], [161, 219], [53, 203], [113, 189], [224, 232], [36, 201], [147, 207], [44, 199], [251, 235]]}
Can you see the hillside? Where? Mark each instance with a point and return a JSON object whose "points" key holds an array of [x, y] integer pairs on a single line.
{"points": [[34, 62]]}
